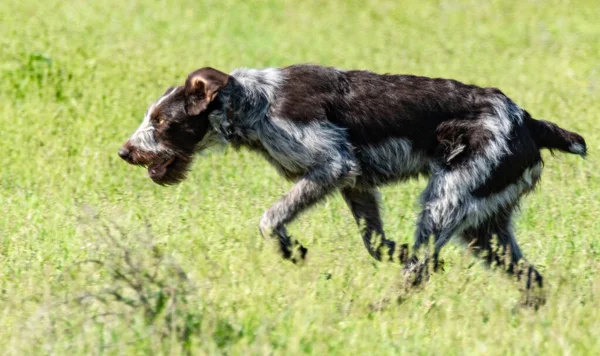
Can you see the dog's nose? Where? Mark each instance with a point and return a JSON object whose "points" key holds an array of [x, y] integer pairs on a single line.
{"points": [[124, 153]]}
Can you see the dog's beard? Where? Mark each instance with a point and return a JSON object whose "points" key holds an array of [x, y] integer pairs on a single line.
{"points": [[170, 170], [163, 169], [160, 168]]}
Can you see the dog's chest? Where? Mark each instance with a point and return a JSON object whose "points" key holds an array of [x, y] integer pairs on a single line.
{"points": [[284, 168]]}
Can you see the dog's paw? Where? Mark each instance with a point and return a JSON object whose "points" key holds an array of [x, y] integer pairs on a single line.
{"points": [[533, 294], [299, 254], [295, 253], [534, 279], [534, 299], [438, 266], [416, 272], [403, 254]]}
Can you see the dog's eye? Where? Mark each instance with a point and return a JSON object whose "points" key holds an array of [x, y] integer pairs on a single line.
{"points": [[159, 121]]}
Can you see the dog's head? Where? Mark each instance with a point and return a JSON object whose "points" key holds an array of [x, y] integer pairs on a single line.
{"points": [[176, 127]]}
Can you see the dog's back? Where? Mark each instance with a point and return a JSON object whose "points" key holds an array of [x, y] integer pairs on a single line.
{"points": [[404, 125]]}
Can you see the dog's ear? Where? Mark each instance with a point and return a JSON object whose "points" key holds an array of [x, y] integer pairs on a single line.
{"points": [[201, 88]]}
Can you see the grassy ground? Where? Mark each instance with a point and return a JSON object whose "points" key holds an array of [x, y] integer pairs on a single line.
{"points": [[76, 78]]}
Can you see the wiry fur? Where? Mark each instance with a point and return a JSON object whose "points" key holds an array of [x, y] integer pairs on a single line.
{"points": [[328, 129]]}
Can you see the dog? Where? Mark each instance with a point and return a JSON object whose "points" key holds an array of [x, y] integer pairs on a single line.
{"points": [[353, 131]]}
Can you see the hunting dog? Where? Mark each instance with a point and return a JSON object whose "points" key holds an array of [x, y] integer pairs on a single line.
{"points": [[353, 131]]}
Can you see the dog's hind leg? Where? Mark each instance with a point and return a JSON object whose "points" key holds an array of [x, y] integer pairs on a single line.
{"points": [[480, 239], [442, 215], [365, 204], [507, 253], [307, 191]]}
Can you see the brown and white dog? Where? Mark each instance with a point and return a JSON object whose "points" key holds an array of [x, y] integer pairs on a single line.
{"points": [[352, 131]]}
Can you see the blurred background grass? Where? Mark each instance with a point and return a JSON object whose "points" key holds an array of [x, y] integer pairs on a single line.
{"points": [[76, 78]]}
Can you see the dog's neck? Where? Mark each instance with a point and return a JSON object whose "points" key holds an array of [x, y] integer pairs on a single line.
{"points": [[245, 102]]}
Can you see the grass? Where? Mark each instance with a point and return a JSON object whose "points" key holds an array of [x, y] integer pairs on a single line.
{"points": [[76, 78]]}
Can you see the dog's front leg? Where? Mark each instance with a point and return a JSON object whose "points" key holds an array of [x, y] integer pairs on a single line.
{"points": [[365, 204], [309, 190]]}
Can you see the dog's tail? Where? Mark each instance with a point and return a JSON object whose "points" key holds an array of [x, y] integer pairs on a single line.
{"points": [[549, 135]]}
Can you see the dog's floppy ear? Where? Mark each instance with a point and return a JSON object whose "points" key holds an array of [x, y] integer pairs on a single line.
{"points": [[201, 87]]}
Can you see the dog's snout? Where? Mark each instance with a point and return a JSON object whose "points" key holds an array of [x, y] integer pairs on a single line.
{"points": [[124, 153]]}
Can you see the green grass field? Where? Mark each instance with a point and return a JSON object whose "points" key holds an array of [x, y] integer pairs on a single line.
{"points": [[92, 252]]}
